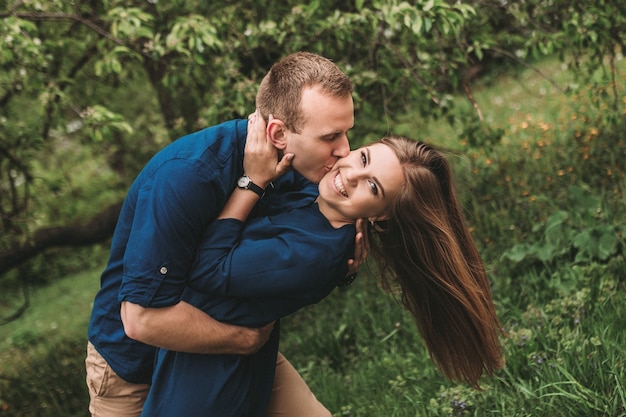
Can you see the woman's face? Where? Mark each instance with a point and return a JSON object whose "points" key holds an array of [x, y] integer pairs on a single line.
{"points": [[362, 184]]}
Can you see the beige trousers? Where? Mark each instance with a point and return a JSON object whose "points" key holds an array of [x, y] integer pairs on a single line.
{"points": [[291, 396], [111, 396]]}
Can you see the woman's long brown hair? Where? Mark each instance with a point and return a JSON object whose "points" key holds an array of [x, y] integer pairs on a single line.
{"points": [[426, 250]]}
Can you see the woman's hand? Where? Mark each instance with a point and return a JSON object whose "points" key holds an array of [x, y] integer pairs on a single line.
{"points": [[361, 249], [260, 161]]}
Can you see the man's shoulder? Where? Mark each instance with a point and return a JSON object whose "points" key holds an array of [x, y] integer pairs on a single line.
{"points": [[208, 145], [232, 132]]}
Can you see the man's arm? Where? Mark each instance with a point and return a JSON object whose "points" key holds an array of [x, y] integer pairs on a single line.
{"points": [[184, 328]]}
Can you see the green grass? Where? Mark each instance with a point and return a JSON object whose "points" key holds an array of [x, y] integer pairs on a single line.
{"points": [[58, 311], [362, 356], [42, 353]]}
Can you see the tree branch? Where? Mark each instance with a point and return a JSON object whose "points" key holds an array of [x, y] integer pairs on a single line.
{"points": [[18, 313], [470, 97], [56, 17], [99, 228]]}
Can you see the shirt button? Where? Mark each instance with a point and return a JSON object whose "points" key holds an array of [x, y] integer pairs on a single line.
{"points": [[163, 270]]}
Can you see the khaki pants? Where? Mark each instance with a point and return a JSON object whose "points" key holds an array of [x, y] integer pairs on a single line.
{"points": [[111, 396], [291, 396]]}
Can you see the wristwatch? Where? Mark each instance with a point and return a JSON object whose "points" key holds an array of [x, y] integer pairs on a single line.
{"points": [[246, 183]]}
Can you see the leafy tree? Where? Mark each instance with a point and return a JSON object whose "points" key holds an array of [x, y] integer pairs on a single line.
{"points": [[89, 90]]}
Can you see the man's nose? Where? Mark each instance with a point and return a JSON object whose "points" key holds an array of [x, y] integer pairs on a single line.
{"points": [[343, 147]]}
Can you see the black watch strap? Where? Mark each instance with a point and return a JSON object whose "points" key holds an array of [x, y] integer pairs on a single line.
{"points": [[253, 187], [246, 183]]}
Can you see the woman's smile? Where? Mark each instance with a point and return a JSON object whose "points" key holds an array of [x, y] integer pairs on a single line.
{"points": [[339, 185]]}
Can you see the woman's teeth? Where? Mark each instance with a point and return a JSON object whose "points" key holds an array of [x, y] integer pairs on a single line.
{"points": [[339, 185]]}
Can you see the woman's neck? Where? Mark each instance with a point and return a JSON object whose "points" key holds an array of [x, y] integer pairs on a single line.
{"points": [[334, 217]]}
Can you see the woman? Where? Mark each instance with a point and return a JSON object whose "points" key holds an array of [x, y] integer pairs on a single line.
{"points": [[274, 265]]}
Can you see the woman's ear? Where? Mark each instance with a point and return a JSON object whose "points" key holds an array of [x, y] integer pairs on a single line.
{"points": [[379, 218], [379, 223], [276, 132]]}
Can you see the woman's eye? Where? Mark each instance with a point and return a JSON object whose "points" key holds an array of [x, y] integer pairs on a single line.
{"points": [[363, 158], [374, 187]]}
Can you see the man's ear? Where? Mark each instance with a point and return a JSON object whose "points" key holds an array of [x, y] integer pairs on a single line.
{"points": [[277, 133]]}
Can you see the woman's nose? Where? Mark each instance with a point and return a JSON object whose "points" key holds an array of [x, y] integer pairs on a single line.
{"points": [[352, 175]]}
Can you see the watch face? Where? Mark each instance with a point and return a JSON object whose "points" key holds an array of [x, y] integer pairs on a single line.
{"points": [[243, 182]]}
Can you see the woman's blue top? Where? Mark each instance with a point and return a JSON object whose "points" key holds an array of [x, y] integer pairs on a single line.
{"points": [[249, 274]]}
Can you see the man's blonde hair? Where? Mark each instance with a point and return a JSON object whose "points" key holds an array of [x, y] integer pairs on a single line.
{"points": [[280, 91]]}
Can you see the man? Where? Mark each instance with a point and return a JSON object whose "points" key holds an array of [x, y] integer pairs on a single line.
{"points": [[179, 192]]}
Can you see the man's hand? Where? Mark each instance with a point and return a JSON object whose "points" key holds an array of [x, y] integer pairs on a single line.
{"points": [[260, 161], [252, 339], [361, 247], [184, 328]]}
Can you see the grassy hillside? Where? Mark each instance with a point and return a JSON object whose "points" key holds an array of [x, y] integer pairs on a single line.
{"points": [[42, 353]]}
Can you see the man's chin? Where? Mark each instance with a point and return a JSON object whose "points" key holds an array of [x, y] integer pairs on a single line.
{"points": [[320, 177], [313, 177]]}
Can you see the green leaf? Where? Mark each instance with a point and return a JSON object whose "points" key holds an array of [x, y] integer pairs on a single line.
{"points": [[428, 24], [607, 244], [583, 240], [556, 219], [517, 253], [547, 251], [417, 25], [116, 66]]}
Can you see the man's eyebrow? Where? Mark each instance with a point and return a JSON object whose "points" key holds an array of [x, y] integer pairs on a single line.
{"points": [[369, 161]]}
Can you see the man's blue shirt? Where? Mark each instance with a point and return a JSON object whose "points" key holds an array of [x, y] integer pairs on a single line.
{"points": [[174, 198]]}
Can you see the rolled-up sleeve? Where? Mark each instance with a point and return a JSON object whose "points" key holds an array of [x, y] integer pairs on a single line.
{"points": [[165, 231]]}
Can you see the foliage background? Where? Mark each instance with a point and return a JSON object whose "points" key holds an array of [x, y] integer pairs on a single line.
{"points": [[528, 96]]}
